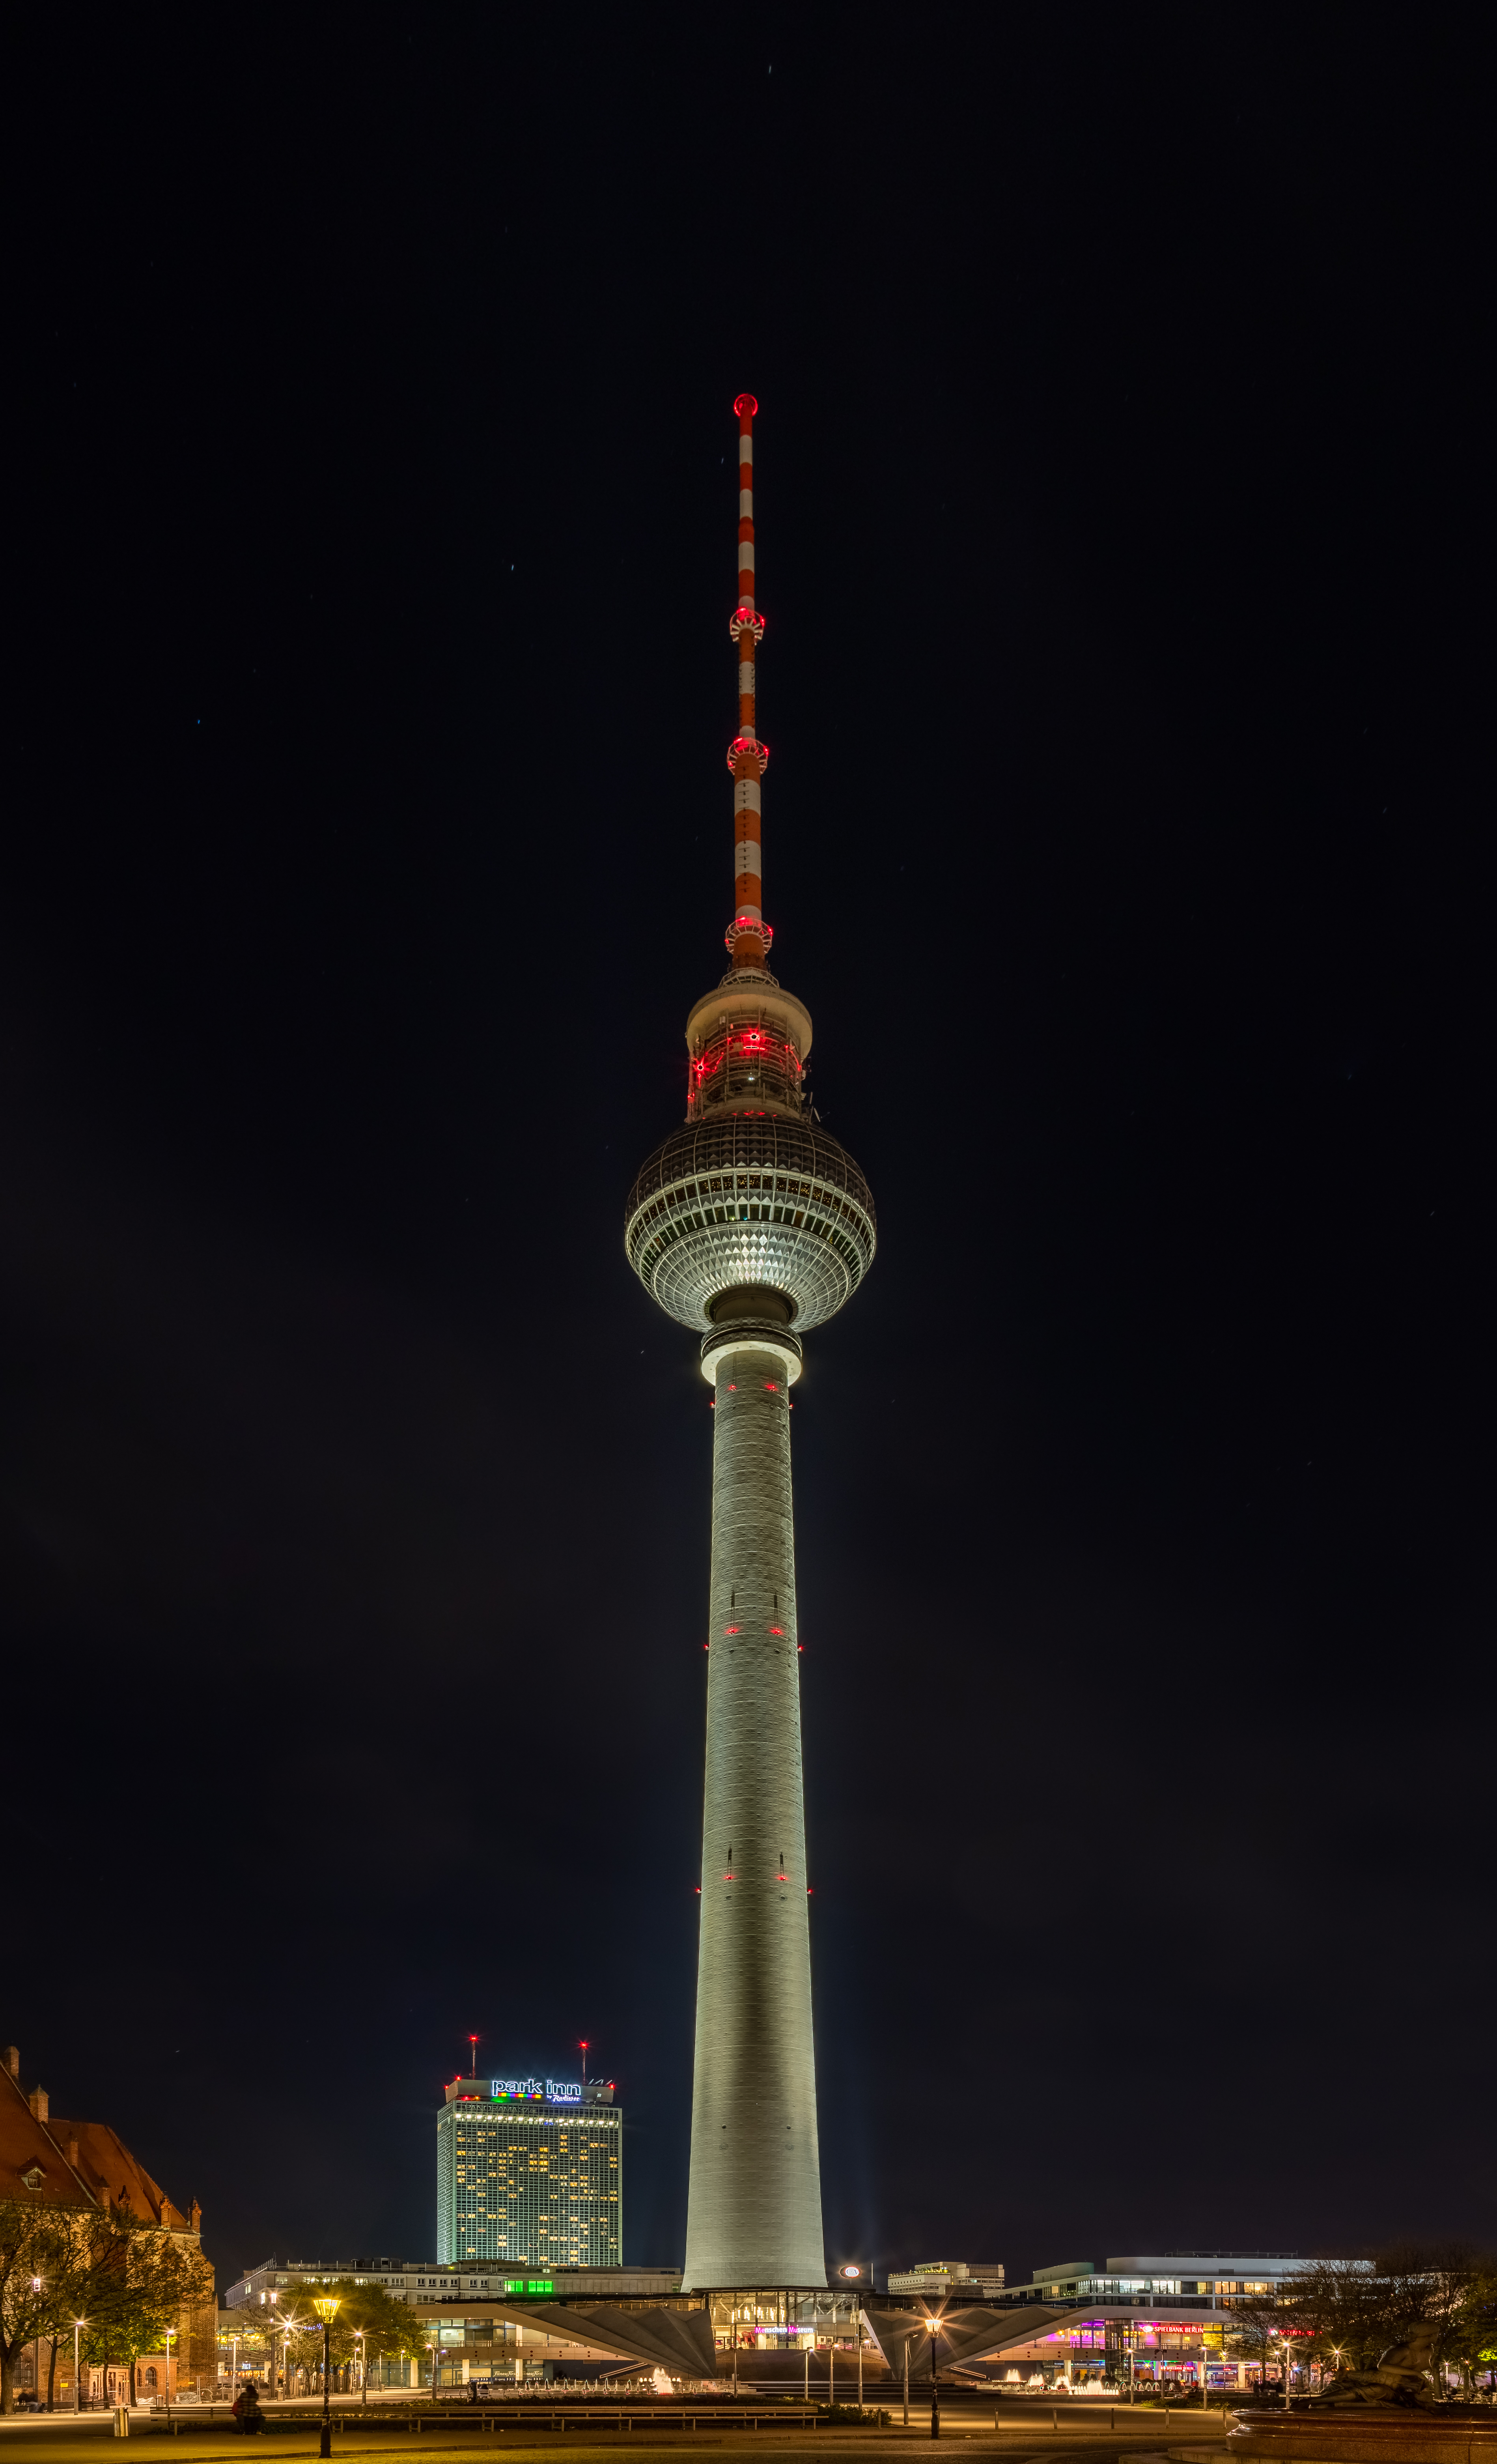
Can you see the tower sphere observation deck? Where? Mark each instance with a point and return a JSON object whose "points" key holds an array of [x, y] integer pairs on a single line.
{"points": [[751, 1224]]}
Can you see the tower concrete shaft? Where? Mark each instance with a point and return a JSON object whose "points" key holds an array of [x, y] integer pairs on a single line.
{"points": [[754, 2211]]}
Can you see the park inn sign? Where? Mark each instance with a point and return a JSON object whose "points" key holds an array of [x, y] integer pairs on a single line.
{"points": [[531, 2091]]}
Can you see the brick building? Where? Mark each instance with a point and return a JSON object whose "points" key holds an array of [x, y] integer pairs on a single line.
{"points": [[49, 2161]]}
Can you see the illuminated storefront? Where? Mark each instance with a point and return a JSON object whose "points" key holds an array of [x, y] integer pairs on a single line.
{"points": [[1116, 2348], [770, 2321]]}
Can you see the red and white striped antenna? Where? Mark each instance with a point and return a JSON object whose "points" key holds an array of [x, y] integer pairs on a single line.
{"points": [[748, 936]]}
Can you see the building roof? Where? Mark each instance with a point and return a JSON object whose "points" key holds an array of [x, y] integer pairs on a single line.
{"points": [[65, 2163]]}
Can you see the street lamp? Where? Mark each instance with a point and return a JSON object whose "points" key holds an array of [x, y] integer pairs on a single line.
{"points": [[363, 2376], [170, 2333], [36, 2286], [79, 2324], [933, 2329], [327, 2306]]}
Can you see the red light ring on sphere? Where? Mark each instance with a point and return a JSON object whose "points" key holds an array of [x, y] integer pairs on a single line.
{"points": [[744, 927], [742, 744], [745, 619], [745, 403]]}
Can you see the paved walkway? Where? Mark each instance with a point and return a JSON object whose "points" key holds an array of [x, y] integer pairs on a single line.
{"points": [[1132, 2436]]}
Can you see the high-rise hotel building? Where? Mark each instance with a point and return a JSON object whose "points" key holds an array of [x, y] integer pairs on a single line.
{"points": [[530, 2172]]}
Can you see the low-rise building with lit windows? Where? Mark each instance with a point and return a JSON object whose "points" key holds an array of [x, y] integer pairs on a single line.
{"points": [[959, 2280], [1095, 2323]]}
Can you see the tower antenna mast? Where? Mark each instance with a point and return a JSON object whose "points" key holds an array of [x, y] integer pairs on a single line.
{"points": [[748, 936]]}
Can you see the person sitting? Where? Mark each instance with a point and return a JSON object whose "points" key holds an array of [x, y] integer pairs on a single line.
{"points": [[246, 2410]]}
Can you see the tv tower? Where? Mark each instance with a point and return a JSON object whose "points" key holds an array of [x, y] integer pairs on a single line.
{"points": [[752, 1226]]}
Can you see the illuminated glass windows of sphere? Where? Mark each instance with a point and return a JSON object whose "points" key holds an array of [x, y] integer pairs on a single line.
{"points": [[743, 1202], [530, 2186]]}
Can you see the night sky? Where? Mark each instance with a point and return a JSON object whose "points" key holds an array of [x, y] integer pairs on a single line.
{"points": [[1122, 468]]}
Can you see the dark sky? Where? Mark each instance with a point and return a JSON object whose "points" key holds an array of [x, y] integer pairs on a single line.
{"points": [[1123, 527]]}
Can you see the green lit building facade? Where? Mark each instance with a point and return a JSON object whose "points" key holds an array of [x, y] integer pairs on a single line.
{"points": [[530, 2175]]}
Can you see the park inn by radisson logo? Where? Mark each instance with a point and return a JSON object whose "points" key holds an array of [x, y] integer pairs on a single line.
{"points": [[531, 2091]]}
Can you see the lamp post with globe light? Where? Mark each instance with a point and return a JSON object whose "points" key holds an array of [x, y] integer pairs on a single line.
{"points": [[326, 2306], [79, 2325], [933, 2329], [364, 2373]]}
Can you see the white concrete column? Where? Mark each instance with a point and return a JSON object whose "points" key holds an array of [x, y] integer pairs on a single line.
{"points": [[754, 2208]]}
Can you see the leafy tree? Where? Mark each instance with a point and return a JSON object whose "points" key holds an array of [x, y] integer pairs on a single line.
{"points": [[1470, 2339], [126, 2280], [37, 2262], [140, 2282], [389, 2327]]}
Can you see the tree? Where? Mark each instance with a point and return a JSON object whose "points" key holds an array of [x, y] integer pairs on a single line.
{"points": [[1258, 2322], [388, 2326], [1349, 2306], [1358, 2307], [1470, 2340], [128, 2280], [140, 2282], [38, 2264]]}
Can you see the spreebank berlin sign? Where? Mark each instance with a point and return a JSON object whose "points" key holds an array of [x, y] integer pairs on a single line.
{"points": [[532, 2091]]}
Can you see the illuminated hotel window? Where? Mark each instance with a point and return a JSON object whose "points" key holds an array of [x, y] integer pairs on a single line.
{"points": [[528, 2151]]}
